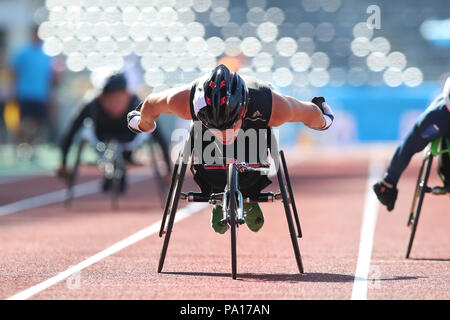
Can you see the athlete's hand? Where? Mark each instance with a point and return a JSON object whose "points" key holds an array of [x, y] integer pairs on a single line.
{"points": [[133, 120], [386, 193], [326, 111], [62, 172]]}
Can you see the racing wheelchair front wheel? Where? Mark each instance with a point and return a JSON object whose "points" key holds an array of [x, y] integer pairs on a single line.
{"points": [[113, 167], [232, 214], [117, 182], [74, 174]]}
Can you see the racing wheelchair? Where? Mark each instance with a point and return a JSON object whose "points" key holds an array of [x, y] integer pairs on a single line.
{"points": [[111, 162], [231, 198], [435, 148]]}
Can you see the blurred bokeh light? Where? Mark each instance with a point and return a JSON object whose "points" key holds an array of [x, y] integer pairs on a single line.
{"points": [[193, 35]]}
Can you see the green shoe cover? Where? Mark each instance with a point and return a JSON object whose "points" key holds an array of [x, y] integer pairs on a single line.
{"points": [[216, 216], [255, 217]]}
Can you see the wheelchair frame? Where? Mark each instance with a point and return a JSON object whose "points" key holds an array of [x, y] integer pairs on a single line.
{"points": [[422, 188], [111, 164], [232, 208]]}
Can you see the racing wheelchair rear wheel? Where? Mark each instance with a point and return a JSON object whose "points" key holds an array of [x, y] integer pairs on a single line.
{"points": [[162, 184], [74, 173], [171, 207], [280, 164]]}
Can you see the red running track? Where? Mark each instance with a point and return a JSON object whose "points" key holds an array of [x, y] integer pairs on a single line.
{"points": [[37, 244]]}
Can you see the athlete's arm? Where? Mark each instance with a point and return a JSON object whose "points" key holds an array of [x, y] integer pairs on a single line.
{"points": [[82, 113], [289, 109], [171, 101]]}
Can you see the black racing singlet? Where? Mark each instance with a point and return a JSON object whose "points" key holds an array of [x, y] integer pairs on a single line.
{"points": [[253, 139]]}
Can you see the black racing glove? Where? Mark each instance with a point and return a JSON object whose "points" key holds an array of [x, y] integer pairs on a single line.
{"points": [[326, 111], [386, 193]]}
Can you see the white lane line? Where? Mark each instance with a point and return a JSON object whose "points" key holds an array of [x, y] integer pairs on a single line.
{"points": [[79, 190], [13, 179], [369, 222], [136, 237]]}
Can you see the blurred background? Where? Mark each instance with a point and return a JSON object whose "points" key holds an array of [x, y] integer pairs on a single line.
{"points": [[378, 63]]}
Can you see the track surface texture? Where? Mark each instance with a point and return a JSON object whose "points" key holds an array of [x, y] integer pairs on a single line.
{"points": [[330, 188]]}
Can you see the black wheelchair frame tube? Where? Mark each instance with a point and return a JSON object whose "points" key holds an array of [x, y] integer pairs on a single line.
{"points": [[291, 195], [276, 157], [423, 186]]}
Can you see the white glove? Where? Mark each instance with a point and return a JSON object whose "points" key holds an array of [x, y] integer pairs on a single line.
{"points": [[133, 118], [326, 111]]}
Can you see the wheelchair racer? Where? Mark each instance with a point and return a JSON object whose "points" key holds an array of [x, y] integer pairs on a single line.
{"points": [[228, 105], [108, 112], [433, 123]]}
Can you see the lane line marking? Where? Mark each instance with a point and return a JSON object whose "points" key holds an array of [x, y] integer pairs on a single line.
{"points": [[118, 246], [79, 190], [12, 179], [359, 291], [409, 261]]}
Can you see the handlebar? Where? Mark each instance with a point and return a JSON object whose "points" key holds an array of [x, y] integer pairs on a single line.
{"points": [[241, 166], [260, 167], [217, 198]]}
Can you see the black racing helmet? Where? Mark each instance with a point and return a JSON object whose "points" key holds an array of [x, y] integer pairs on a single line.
{"points": [[115, 82], [226, 97]]}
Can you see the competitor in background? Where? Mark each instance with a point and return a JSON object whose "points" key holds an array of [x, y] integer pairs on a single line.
{"points": [[434, 122], [108, 112], [33, 79], [229, 105]]}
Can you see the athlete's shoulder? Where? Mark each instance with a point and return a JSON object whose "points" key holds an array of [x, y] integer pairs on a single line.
{"points": [[436, 105], [440, 104], [257, 84], [196, 90]]}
